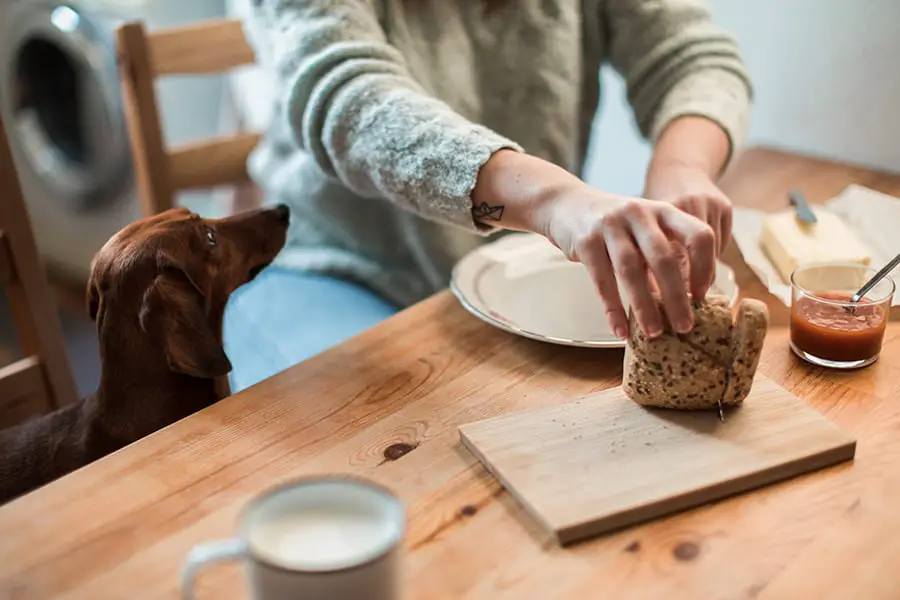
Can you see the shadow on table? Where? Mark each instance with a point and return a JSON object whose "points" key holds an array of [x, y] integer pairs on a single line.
{"points": [[510, 351]]}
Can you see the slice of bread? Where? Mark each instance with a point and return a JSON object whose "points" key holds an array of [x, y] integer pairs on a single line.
{"points": [[715, 361], [747, 339]]}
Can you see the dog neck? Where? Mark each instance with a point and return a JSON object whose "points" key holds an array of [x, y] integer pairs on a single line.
{"points": [[222, 387], [138, 392]]}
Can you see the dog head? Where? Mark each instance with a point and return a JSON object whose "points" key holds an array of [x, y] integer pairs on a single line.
{"points": [[173, 273]]}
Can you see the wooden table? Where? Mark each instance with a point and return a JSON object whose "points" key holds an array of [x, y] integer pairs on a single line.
{"points": [[386, 405]]}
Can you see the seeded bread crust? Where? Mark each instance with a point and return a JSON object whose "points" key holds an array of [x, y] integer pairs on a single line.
{"points": [[716, 360], [750, 329], [713, 328]]}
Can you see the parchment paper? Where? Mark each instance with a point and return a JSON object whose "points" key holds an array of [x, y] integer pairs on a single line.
{"points": [[874, 216]]}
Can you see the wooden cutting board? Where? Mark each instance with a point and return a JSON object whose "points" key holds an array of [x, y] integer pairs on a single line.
{"points": [[603, 462]]}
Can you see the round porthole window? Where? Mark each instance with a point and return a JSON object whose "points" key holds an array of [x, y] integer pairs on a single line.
{"points": [[62, 100], [47, 86]]}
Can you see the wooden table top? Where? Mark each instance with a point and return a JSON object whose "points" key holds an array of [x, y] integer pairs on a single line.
{"points": [[120, 528]]}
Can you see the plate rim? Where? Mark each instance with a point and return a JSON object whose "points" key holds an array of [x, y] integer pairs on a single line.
{"points": [[468, 262]]}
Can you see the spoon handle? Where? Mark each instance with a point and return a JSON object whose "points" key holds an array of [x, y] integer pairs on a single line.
{"points": [[876, 278]]}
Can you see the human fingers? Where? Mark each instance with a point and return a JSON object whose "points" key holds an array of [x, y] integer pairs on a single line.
{"points": [[600, 268], [699, 240], [631, 269], [654, 288], [706, 210], [725, 224], [683, 268], [662, 256]]}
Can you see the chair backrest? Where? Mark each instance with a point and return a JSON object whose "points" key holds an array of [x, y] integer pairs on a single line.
{"points": [[42, 380], [207, 47]]}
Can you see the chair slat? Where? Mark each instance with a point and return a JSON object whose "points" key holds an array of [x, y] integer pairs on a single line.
{"points": [[212, 163], [142, 114], [21, 378], [209, 47], [31, 300], [21, 383]]}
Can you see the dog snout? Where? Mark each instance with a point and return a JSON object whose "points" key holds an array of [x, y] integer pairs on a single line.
{"points": [[282, 213]]}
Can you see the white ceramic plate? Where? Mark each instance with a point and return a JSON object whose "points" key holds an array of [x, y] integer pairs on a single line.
{"points": [[523, 284]]}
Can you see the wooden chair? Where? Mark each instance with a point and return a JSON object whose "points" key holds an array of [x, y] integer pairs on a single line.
{"points": [[205, 48], [41, 381]]}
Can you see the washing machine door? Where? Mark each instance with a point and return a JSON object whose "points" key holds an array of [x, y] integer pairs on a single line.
{"points": [[60, 98]]}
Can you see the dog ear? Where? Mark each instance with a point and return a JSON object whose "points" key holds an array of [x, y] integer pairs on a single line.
{"points": [[175, 307], [93, 299]]}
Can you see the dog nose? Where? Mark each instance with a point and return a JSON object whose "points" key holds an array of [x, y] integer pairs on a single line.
{"points": [[282, 213]]}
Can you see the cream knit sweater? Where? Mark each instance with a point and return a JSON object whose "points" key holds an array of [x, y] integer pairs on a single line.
{"points": [[386, 109]]}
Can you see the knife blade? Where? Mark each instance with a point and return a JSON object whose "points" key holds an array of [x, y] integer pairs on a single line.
{"points": [[724, 391], [801, 207]]}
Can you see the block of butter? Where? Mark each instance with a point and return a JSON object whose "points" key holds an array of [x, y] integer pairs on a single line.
{"points": [[789, 242]]}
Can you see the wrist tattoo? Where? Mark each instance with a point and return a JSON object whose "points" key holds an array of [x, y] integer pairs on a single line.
{"points": [[486, 212]]}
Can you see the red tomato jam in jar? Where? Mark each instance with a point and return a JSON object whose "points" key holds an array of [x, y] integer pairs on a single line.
{"points": [[835, 332]]}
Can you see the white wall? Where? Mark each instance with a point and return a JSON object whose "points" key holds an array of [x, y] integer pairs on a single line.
{"points": [[827, 79]]}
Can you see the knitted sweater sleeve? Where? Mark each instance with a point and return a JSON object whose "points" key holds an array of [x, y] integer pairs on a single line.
{"points": [[352, 104], [676, 61]]}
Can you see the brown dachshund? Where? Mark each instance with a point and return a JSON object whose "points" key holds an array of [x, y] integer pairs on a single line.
{"points": [[157, 293]]}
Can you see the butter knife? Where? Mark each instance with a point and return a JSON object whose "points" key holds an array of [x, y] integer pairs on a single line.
{"points": [[719, 406], [804, 212]]}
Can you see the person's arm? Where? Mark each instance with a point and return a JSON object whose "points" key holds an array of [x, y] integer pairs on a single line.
{"points": [[690, 93], [678, 63], [619, 240], [687, 159], [689, 142], [514, 191], [351, 102]]}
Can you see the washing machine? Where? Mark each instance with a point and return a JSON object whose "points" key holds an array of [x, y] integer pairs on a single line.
{"points": [[60, 98], [61, 102]]}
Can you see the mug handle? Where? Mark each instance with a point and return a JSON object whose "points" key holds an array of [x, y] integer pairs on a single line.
{"points": [[206, 554]]}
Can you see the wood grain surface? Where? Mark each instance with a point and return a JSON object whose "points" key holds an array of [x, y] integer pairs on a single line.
{"points": [[602, 462], [387, 405]]}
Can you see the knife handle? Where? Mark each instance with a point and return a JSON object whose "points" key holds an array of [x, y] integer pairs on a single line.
{"points": [[801, 207]]}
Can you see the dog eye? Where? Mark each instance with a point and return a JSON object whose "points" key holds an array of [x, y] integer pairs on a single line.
{"points": [[211, 236]]}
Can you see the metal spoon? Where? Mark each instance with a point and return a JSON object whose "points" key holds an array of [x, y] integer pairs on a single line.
{"points": [[874, 281]]}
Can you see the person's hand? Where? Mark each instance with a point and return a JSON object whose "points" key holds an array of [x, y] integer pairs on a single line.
{"points": [[692, 190], [631, 242]]}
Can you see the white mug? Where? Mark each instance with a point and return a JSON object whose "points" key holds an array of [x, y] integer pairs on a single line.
{"points": [[329, 537]]}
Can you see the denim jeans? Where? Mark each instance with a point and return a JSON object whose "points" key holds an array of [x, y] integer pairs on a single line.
{"points": [[284, 317]]}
